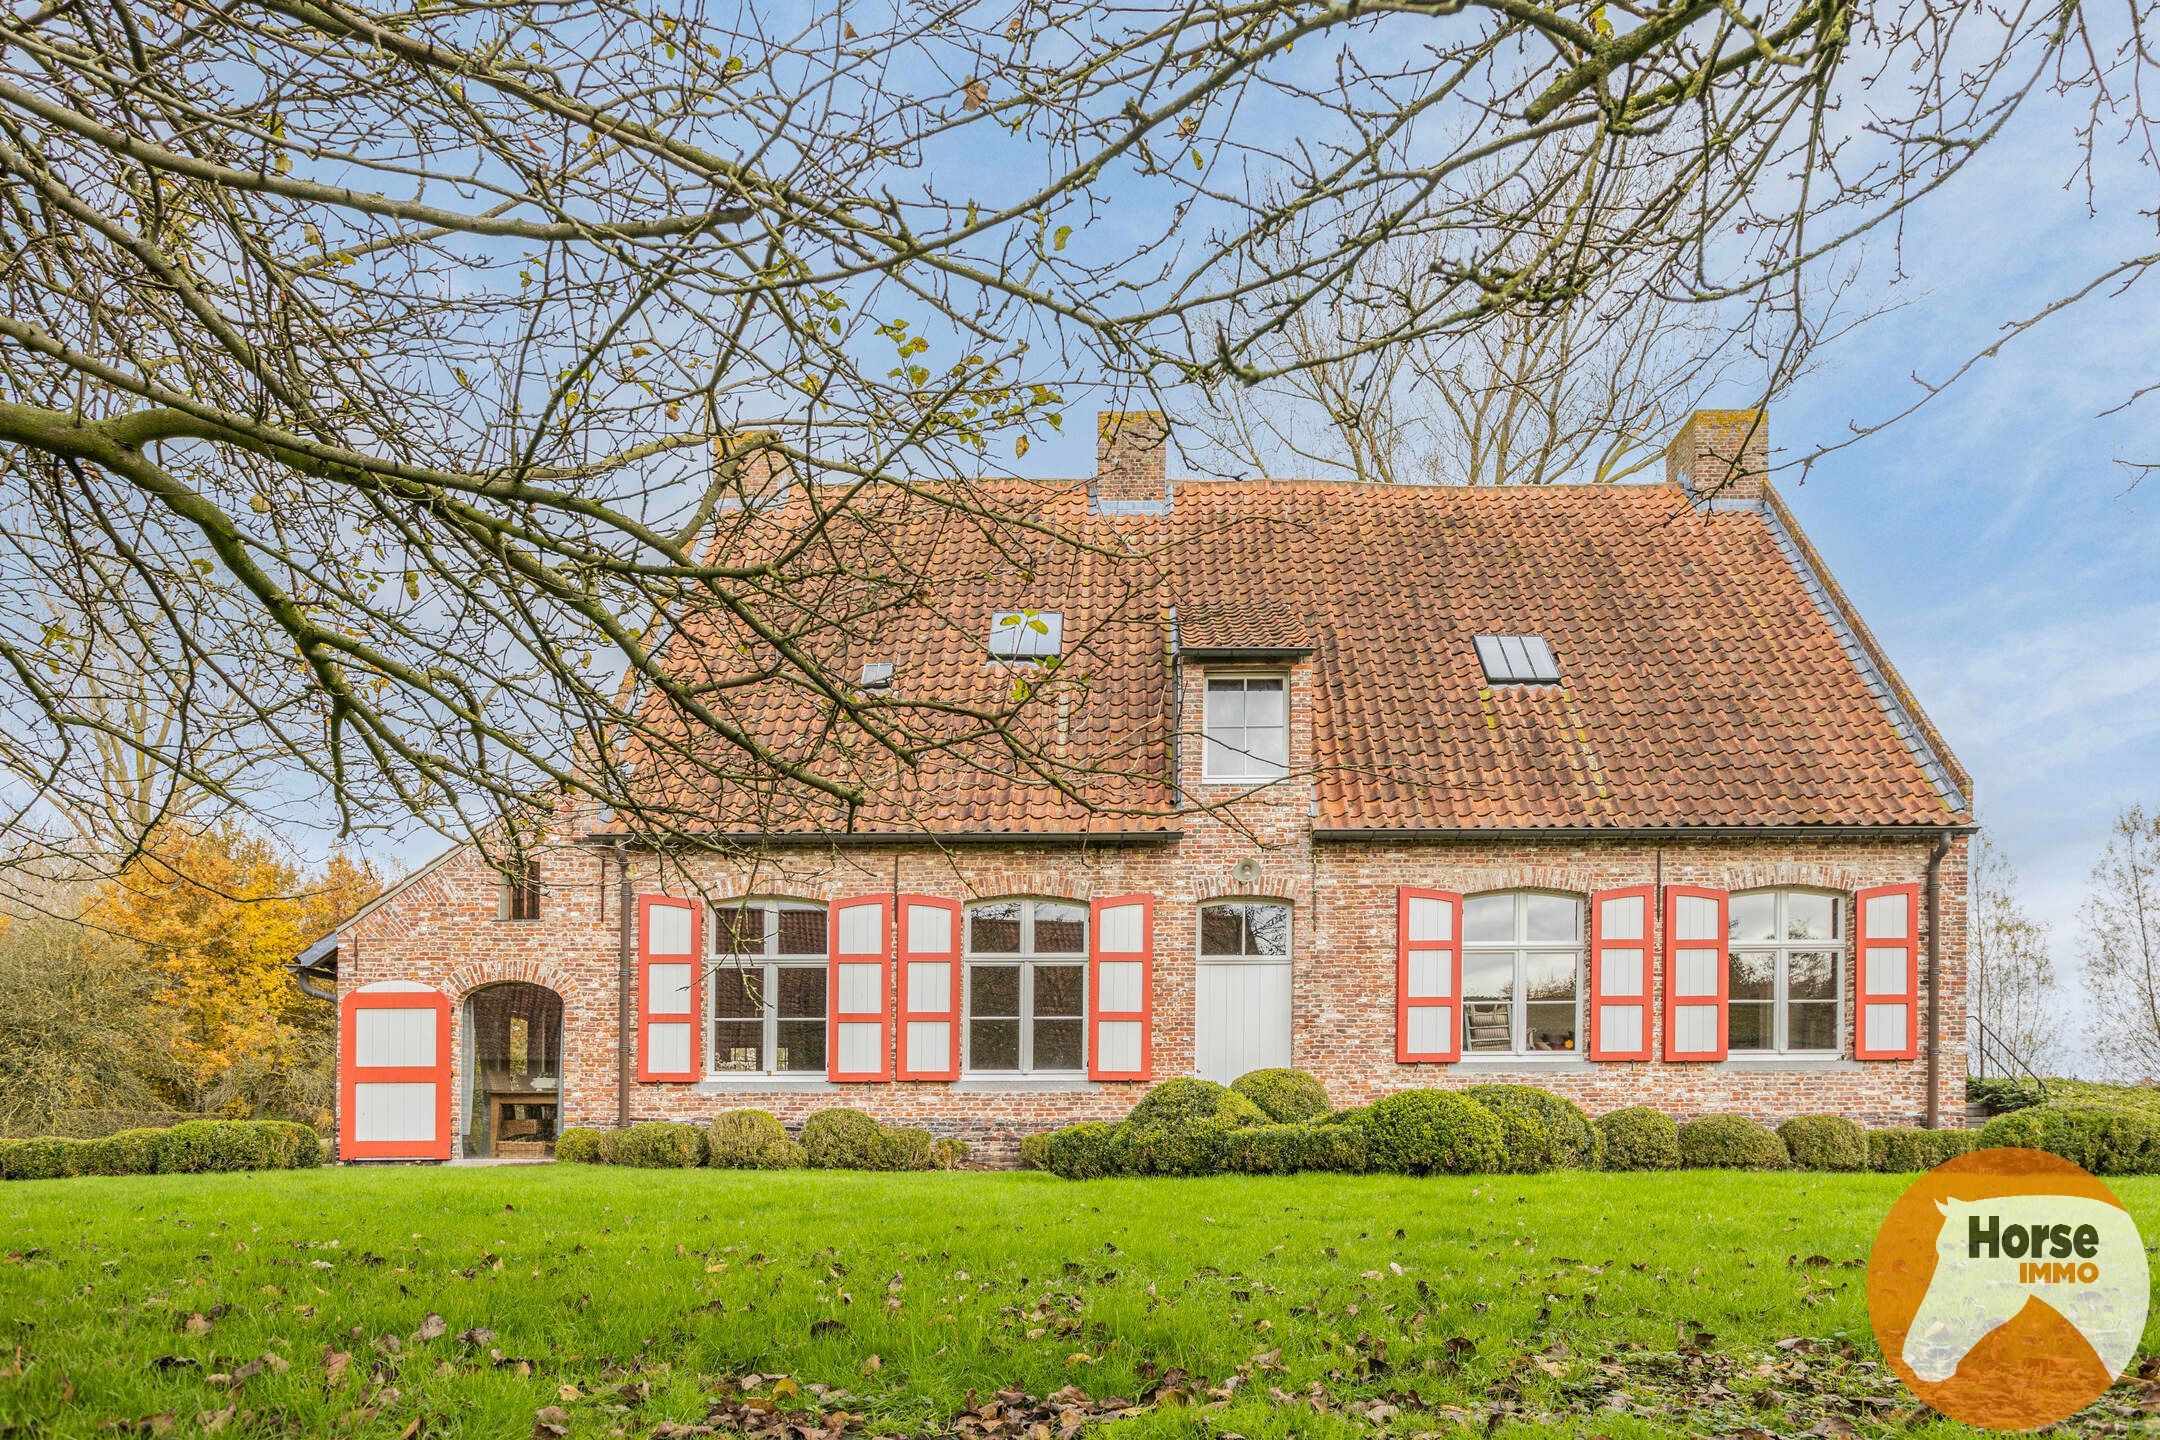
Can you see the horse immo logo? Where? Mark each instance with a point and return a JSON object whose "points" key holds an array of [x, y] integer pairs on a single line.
{"points": [[2008, 1288]]}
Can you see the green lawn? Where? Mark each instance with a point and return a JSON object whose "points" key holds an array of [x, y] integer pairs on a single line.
{"points": [[1265, 1309]]}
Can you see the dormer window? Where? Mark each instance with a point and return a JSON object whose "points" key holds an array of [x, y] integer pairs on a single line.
{"points": [[1517, 660], [1246, 728], [1027, 635]]}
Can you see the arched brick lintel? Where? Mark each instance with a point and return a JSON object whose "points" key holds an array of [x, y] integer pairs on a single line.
{"points": [[480, 974]]}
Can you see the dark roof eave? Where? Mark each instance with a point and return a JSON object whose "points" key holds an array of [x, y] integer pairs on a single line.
{"points": [[1245, 652], [915, 837], [1865, 830]]}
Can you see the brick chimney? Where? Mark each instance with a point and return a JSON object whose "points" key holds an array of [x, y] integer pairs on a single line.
{"points": [[1131, 461], [1721, 455], [751, 468]]}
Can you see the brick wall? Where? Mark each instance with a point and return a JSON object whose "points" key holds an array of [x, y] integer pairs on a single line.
{"points": [[442, 931]]}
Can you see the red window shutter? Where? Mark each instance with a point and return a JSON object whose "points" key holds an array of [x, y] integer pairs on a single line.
{"points": [[1887, 942], [394, 1074], [929, 993], [1121, 988], [1697, 979], [1428, 976], [670, 972], [859, 990], [1620, 942]]}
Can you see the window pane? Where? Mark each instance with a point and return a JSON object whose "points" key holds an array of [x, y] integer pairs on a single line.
{"points": [[1547, 1026], [1225, 703], [738, 993], [1486, 1027], [1488, 977], [802, 931], [1488, 918], [1750, 1022], [1552, 917], [1269, 746], [1222, 930], [1811, 1025], [994, 929], [1811, 975], [802, 993], [994, 1045], [739, 931], [737, 1045], [802, 1046], [1753, 917], [1264, 702], [1060, 929], [1810, 917], [1225, 752], [994, 990], [1057, 1045], [1549, 977], [1754, 975], [1059, 988], [1267, 930]]}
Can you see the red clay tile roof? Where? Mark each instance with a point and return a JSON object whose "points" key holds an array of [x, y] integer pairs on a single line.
{"points": [[1704, 682]]}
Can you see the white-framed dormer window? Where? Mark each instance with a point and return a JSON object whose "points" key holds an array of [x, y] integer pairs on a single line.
{"points": [[1246, 728], [1523, 974], [768, 988], [1027, 634], [1026, 964], [1788, 972]]}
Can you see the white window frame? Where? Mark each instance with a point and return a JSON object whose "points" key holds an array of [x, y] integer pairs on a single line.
{"points": [[1519, 948], [1231, 901], [769, 964], [1781, 986], [1026, 958], [1208, 772]]}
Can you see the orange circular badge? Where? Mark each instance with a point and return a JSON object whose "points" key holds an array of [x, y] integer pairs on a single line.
{"points": [[2008, 1288]]}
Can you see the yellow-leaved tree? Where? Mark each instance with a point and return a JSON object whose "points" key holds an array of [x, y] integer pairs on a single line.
{"points": [[218, 913]]}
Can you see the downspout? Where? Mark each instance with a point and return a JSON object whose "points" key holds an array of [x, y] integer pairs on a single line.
{"points": [[623, 994], [1934, 983]]}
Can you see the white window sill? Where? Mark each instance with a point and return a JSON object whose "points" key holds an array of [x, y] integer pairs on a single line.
{"points": [[1572, 1063], [723, 1084], [1244, 782], [1798, 1061], [1005, 1081]]}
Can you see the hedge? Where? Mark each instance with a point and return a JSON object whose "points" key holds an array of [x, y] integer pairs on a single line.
{"points": [[1288, 1097], [1903, 1151], [2002, 1095], [1639, 1138], [1289, 1149], [191, 1147], [1176, 1102], [1035, 1151], [750, 1140], [1731, 1142], [2105, 1139], [1540, 1129], [1081, 1152], [1824, 1142], [580, 1146], [1433, 1132], [655, 1145]]}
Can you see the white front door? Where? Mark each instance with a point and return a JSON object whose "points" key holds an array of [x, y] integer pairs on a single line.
{"points": [[1244, 1017]]}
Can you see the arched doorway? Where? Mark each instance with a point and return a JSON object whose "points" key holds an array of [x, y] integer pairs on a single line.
{"points": [[513, 1070]]}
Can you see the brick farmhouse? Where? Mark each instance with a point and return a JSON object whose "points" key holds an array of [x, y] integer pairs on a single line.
{"points": [[1603, 788]]}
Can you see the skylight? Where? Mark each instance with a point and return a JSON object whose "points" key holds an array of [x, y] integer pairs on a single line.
{"points": [[1026, 635], [1517, 660]]}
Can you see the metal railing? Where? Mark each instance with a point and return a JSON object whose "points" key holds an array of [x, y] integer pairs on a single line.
{"points": [[1989, 1057]]}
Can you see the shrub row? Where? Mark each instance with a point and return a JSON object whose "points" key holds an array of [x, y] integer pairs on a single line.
{"points": [[191, 1147], [2105, 1139], [838, 1139]]}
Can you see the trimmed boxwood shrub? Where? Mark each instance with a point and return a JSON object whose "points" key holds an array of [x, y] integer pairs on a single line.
{"points": [[192, 1147], [1903, 1151], [1265, 1150], [1355, 1115], [2105, 1139], [750, 1140], [1191, 1147], [1035, 1151], [1339, 1149], [1542, 1131], [579, 1146], [907, 1148], [2001, 1096], [1288, 1097], [1081, 1152], [44, 1157], [1639, 1138], [1175, 1102], [655, 1145], [298, 1146], [844, 1139], [1824, 1142], [1433, 1132], [948, 1153], [1731, 1142], [198, 1146]]}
